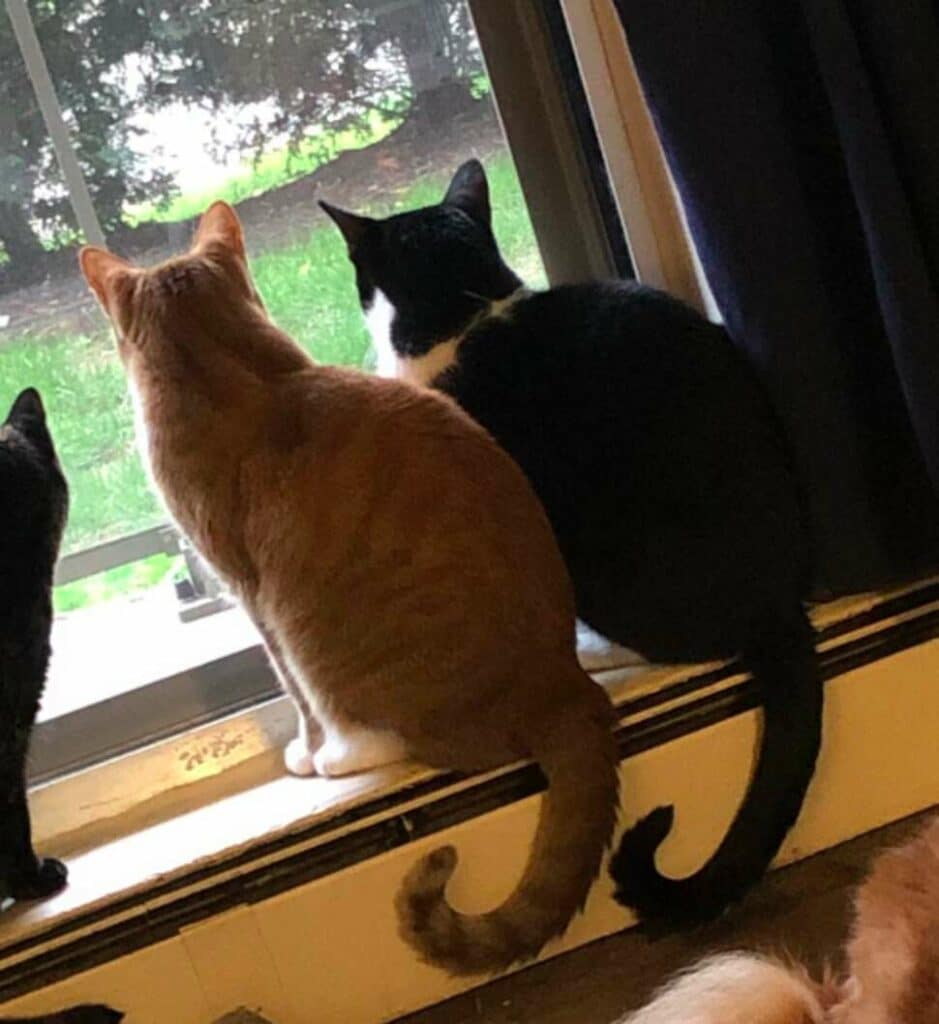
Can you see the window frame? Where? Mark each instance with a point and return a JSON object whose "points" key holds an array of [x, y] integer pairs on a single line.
{"points": [[547, 125], [650, 210]]}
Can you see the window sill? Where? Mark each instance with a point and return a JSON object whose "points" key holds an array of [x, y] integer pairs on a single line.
{"points": [[140, 859], [192, 812], [185, 805]]}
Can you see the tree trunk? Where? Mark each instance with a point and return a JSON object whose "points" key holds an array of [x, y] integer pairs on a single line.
{"points": [[422, 31], [20, 242]]}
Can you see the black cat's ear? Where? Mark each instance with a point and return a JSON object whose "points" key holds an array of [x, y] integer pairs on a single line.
{"points": [[469, 190], [352, 225], [28, 405]]}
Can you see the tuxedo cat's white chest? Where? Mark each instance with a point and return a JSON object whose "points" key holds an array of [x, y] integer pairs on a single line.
{"points": [[420, 370], [379, 317]]}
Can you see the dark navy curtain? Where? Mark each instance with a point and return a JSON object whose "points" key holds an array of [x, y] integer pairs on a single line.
{"points": [[803, 136]]}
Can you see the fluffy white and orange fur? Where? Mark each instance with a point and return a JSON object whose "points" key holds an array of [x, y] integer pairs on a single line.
{"points": [[892, 974], [399, 567]]}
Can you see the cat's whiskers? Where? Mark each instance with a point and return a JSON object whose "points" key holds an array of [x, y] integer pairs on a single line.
{"points": [[495, 307], [379, 317]]}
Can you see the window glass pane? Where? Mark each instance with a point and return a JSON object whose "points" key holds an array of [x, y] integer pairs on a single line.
{"points": [[267, 105], [51, 334], [372, 103]]}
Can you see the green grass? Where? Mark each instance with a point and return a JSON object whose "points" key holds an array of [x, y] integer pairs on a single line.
{"points": [[310, 291], [83, 388], [123, 581]]}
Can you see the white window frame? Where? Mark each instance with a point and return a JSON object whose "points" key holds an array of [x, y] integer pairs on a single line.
{"points": [[649, 208]]}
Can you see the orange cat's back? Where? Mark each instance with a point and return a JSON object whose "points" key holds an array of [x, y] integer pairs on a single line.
{"points": [[422, 539], [413, 464]]}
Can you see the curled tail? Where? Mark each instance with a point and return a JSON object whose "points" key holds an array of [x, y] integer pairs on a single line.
{"points": [[578, 755], [786, 669], [739, 988]]}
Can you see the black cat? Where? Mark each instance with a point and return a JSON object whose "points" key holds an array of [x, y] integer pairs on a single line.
{"points": [[33, 510], [663, 471]]}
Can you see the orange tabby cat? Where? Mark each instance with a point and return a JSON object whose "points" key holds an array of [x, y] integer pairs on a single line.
{"points": [[893, 962], [401, 571]]}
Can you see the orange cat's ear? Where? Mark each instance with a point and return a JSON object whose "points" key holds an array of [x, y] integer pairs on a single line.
{"points": [[103, 271], [220, 224]]}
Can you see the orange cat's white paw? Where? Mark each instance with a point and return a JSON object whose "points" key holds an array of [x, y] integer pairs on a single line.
{"points": [[298, 758], [357, 750]]}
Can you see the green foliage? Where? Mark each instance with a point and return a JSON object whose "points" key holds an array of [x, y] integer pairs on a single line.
{"points": [[304, 69], [84, 45], [82, 384]]}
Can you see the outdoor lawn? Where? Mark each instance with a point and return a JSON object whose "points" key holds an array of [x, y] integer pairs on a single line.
{"points": [[309, 290]]}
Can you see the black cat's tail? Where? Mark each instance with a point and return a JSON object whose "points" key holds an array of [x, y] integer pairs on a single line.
{"points": [[786, 670]]}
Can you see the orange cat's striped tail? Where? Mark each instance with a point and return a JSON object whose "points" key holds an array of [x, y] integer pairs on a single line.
{"points": [[738, 988], [579, 757]]}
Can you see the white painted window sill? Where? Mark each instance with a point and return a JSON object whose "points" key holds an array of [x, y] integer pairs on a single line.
{"points": [[161, 814]]}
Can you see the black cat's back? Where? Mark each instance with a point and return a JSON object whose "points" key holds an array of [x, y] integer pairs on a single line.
{"points": [[33, 509], [590, 386], [667, 479]]}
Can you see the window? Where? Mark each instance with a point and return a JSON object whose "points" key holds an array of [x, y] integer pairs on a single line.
{"points": [[119, 124]]}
